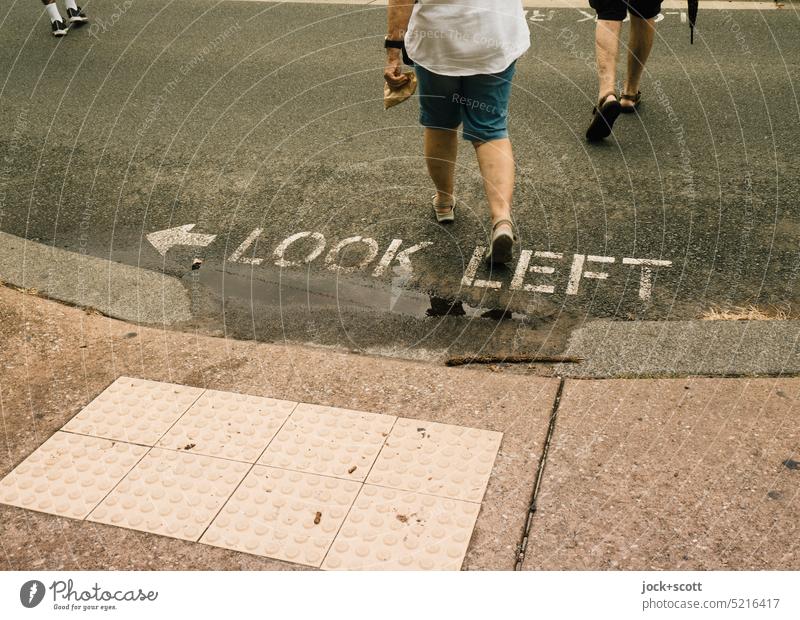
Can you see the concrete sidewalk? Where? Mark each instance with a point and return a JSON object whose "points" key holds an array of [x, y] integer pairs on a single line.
{"points": [[639, 474]]}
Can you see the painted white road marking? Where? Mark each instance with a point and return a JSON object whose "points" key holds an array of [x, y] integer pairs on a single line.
{"points": [[284, 245], [402, 271], [646, 277], [538, 16], [236, 256], [577, 272], [472, 269], [522, 269], [163, 240], [331, 260]]}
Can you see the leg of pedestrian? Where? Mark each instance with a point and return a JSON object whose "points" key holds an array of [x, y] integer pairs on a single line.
{"points": [[606, 48], [75, 15], [496, 161], [464, 79], [485, 115], [441, 150], [639, 45], [57, 23]]}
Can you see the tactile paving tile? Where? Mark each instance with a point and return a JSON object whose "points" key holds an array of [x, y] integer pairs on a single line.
{"points": [[388, 529], [228, 425], [333, 488], [171, 493], [285, 515], [69, 474], [329, 441], [439, 459], [134, 410]]}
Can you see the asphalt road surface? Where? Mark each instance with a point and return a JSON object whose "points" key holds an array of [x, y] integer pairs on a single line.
{"points": [[254, 134]]}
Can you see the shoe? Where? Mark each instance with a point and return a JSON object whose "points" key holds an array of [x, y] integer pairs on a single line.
{"points": [[634, 99], [603, 117], [76, 17], [59, 28], [444, 213], [501, 248]]}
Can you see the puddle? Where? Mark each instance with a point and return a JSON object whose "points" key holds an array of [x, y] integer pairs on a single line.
{"points": [[291, 291], [344, 312]]}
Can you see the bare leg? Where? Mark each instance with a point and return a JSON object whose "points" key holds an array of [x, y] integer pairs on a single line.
{"points": [[639, 44], [441, 150], [496, 161], [606, 49]]}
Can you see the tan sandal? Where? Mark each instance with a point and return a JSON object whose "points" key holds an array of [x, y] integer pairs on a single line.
{"points": [[501, 249], [444, 213]]}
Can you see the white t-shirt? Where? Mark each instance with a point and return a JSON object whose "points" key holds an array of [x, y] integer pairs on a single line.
{"points": [[467, 37]]}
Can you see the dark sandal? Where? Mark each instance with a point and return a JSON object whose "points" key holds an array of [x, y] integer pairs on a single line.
{"points": [[630, 109], [502, 244], [603, 117]]}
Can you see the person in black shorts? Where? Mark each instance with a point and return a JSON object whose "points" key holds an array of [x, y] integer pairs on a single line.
{"points": [[60, 26], [610, 14]]}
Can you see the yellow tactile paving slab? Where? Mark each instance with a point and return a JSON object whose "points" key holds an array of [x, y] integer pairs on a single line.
{"points": [[134, 410], [438, 459], [283, 514], [329, 441], [268, 477], [388, 529], [171, 493], [228, 425], [69, 474]]}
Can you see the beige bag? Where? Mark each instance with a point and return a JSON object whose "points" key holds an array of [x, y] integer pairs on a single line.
{"points": [[393, 96]]}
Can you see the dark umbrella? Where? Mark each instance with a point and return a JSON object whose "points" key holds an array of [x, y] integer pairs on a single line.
{"points": [[692, 18]]}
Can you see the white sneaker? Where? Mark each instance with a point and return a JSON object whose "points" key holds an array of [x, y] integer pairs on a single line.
{"points": [[59, 28]]}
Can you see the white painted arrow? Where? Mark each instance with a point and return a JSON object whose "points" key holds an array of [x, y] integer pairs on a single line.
{"points": [[163, 240]]}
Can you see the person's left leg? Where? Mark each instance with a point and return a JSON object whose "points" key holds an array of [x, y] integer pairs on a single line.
{"points": [[441, 150], [57, 23], [440, 115]]}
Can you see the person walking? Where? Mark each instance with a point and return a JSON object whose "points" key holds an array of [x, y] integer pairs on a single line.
{"points": [[610, 14], [60, 26], [464, 54]]}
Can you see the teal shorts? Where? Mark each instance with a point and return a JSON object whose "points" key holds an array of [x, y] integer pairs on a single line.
{"points": [[480, 102]]}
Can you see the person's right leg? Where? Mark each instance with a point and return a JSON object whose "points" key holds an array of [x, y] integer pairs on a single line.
{"points": [[606, 49], [496, 161], [610, 14], [75, 15], [486, 126]]}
